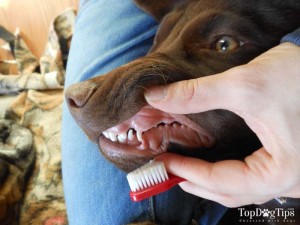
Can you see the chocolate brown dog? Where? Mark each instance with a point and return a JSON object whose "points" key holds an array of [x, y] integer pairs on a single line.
{"points": [[196, 38]]}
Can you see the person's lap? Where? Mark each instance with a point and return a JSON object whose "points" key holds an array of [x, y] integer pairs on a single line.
{"points": [[109, 34]]}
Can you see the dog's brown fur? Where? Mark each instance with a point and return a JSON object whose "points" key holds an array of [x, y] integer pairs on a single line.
{"points": [[185, 47]]}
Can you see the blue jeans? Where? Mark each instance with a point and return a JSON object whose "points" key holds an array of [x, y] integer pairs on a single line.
{"points": [[107, 35]]}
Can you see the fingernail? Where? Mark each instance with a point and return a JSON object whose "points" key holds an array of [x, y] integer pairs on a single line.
{"points": [[156, 94]]}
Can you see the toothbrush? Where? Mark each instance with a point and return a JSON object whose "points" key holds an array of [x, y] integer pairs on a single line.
{"points": [[152, 179], [149, 180]]}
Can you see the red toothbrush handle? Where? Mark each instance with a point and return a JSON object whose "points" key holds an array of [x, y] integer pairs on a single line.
{"points": [[155, 189]]}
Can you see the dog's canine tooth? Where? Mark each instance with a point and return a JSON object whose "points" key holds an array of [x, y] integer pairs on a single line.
{"points": [[105, 133], [130, 135], [112, 137], [122, 137], [139, 136]]}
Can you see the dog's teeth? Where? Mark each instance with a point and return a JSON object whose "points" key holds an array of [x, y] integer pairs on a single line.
{"points": [[112, 137], [139, 136], [130, 135], [105, 133], [142, 147], [122, 137]]}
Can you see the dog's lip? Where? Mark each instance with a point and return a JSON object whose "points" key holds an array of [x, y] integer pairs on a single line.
{"points": [[149, 132]]}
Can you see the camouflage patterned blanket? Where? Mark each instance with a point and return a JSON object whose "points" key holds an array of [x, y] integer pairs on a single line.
{"points": [[30, 125]]}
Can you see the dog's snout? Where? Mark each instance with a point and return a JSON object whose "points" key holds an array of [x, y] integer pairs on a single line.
{"points": [[77, 95]]}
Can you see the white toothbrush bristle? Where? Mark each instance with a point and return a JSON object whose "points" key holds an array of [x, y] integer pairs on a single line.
{"points": [[146, 176]]}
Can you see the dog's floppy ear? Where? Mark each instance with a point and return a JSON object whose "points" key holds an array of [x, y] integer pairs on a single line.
{"points": [[158, 8]]}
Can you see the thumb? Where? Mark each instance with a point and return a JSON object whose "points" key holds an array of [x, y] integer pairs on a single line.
{"points": [[215, 176], [229, 182], [220, 91]]}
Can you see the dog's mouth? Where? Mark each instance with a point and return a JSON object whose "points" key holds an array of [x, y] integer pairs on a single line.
{"points": [[149, 133]]}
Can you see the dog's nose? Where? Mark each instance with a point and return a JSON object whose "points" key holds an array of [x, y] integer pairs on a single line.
{"points": [[77, 95]]}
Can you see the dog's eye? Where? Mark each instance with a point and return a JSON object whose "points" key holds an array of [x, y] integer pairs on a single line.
{"points": [[225, 44]]}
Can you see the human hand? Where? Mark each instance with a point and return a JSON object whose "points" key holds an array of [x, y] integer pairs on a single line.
{"points": [[265, 93]]}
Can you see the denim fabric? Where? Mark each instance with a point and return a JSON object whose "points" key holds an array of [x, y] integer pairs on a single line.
{"points": [[107, 35], [293, 37]]}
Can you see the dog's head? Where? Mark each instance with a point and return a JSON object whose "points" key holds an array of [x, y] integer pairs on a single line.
{"points": [[196, 38]]}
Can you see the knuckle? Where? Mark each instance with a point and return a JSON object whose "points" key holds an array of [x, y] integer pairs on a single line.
{"points": [[187, 89], [248, 85]]}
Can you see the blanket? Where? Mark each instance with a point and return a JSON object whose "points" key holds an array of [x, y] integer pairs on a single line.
{"points": [[30, 126]]}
